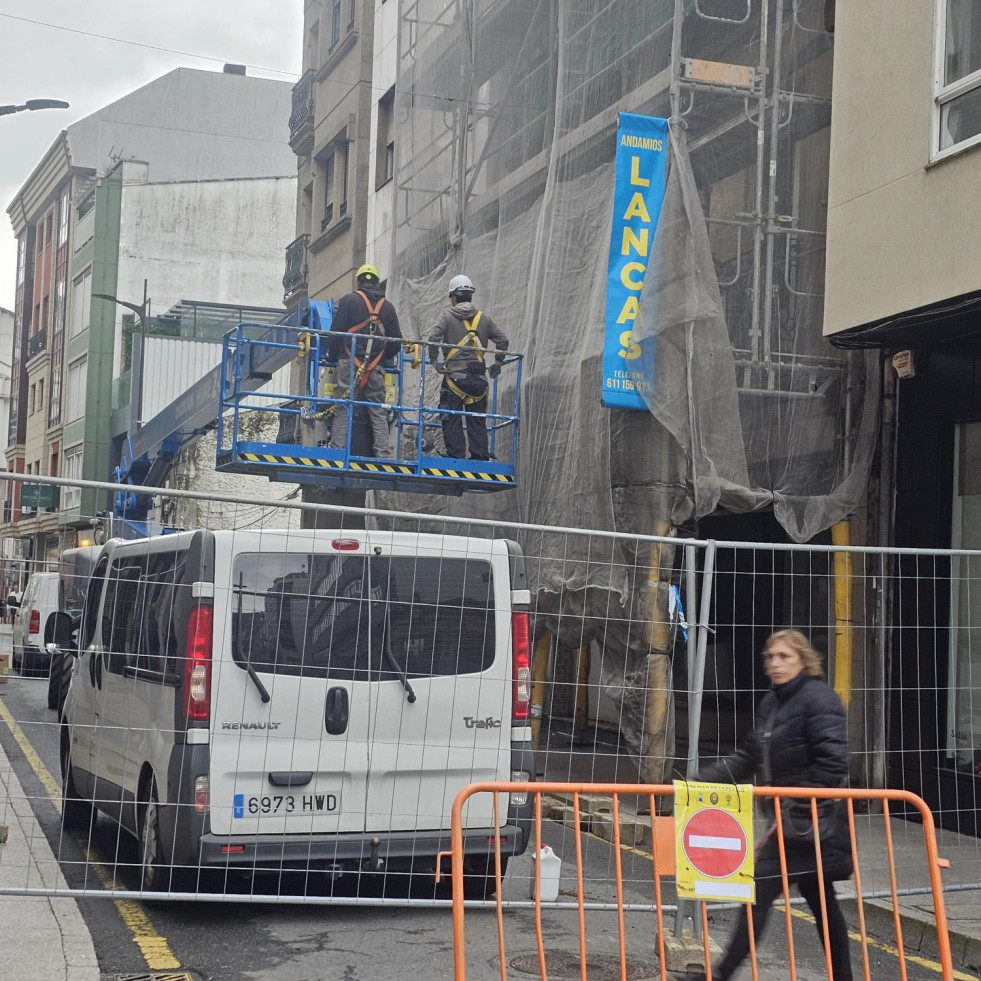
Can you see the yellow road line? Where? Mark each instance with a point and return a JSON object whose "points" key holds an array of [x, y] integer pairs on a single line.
{"points": [[155, 949], [934, 966]]}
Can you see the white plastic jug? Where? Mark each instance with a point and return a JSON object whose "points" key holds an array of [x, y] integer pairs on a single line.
{"points": [[550, 866]]}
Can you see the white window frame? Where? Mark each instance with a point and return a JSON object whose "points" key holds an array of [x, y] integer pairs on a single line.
{"points": [[942, 94], [76, 382], [71, 462]]}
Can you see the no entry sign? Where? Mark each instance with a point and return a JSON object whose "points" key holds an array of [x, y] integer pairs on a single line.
{"points": [[714, 841]]}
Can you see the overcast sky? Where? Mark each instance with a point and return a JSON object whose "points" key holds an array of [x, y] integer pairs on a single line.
{"points": [[42, 62]]}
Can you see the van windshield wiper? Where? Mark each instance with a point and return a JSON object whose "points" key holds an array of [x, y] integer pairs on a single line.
{"points": [[256, 680], [389, 655]]}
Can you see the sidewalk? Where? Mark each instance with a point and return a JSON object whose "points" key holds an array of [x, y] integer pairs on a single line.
{"points": [[596, 762], [42, 938]]}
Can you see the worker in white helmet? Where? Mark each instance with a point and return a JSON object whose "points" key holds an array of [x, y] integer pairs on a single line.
{"points": [[458, 349]]}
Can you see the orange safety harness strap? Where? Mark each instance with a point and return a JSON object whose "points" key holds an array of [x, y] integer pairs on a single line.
{"points": [[365, 367]]}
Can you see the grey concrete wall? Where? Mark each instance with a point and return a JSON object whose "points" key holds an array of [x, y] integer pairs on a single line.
{"points": [[902, 232], [193, 124]]}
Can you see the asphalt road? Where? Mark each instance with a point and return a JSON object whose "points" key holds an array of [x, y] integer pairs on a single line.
{"points": [[290, 941]]}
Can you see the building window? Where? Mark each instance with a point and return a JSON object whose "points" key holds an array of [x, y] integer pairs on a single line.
{"points": [[75, 396], [70, 496], [957, 105], [328, 191], [335, 23], [32, 405], [63, 212], [81, 303], [40, 394], [21, 258], [352, 10], [342, 164], [385, 145]]}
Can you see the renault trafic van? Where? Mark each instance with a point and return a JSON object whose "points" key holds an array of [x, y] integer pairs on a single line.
{"points": [[269, 700]]}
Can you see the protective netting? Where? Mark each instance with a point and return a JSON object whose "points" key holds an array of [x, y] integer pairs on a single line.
{"points": [[506, 123]]}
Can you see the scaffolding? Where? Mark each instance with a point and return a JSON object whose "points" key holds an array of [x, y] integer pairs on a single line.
{"points": [[506, 116]]}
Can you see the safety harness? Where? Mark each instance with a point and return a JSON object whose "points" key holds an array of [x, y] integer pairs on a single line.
{"points": [[365, 366], [471, 340]]}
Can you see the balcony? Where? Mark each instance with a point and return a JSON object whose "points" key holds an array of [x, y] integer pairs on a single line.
{"points": [[295, 277], [301, 119], [36, 343]]}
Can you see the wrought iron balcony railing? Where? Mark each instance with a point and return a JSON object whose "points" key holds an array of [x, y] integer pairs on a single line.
{"points": [[295, 276]]}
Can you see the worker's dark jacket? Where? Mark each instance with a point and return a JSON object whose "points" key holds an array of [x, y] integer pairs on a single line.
{"points": [[350, 312], [805, 725], [449, 332]]}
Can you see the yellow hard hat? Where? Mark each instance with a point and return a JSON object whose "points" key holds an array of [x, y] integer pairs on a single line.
{"points": [[368, 271]]}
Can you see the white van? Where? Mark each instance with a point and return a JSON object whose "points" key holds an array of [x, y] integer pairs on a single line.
{"points": [[41, 598], [268, 700]]}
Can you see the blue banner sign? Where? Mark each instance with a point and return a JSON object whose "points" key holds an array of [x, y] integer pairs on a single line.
{"points": [[641, 162]]}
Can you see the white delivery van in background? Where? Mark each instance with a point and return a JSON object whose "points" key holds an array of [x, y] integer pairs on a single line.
{"points": [[41, 598], [270, 700]]}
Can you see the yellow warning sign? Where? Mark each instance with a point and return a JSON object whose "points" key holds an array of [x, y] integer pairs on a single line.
{"points": [[714, 841]]}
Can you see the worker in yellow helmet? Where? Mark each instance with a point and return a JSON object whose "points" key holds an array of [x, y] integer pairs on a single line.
{"points": [[365, 330], [461, 335]]}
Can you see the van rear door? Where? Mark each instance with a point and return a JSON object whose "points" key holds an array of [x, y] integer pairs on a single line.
{"points": [[442, 705], [296, 619]]}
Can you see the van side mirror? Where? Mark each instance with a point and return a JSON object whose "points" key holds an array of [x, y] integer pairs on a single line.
{"points": [[58, 630]]}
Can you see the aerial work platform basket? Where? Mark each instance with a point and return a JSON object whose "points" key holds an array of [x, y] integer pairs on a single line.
{"points": [[286, 436]]}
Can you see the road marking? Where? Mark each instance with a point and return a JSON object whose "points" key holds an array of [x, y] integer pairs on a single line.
{"points": [[155, 949], [934, 966]]}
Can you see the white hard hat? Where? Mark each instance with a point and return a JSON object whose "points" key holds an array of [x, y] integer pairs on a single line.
{"points": [[461, 284]]}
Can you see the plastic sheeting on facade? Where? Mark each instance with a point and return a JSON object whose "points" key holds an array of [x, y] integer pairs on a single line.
{"points": [[506, 114]]}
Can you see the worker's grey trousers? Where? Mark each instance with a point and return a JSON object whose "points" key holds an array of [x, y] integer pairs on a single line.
{"points": [[372, 391]]}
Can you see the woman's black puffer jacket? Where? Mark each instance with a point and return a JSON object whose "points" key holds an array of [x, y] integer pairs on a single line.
{"points": [[804, 724]]}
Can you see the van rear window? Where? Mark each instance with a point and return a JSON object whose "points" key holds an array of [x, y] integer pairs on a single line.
{"points": [[350, 616]]}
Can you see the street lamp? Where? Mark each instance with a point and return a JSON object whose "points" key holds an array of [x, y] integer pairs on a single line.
{"points": [[32, 105], [140, 309]]}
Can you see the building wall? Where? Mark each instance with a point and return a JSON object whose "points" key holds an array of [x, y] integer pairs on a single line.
{"points": [[333, 172], [6, 347], [899, 234], [381, 194], [192, 125], [220, 241]]}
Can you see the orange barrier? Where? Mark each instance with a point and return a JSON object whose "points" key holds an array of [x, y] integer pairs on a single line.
{"points": [[659, 863]]}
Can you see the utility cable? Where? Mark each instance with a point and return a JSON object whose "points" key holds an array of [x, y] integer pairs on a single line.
{"points": [[139, 44]]}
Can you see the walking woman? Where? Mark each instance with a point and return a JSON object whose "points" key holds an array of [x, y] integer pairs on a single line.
{"points": [[800, 740]]}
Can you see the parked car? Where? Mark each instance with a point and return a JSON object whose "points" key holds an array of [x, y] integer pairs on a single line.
{"points": [[261, 701], [41, 598]]}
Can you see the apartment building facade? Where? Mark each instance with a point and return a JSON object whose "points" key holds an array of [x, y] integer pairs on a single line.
{"points": [[903, 279], [187, 183], [331, 134]]}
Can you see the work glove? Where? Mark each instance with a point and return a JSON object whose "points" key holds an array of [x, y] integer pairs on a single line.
{"points": [[494, 370], [439, 367]]}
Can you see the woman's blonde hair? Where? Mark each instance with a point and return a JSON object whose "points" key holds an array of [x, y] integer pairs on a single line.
{"points": [[796, 641]]}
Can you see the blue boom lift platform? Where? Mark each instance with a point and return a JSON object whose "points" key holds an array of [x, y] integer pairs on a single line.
{"points": [[306, 457], [251, 355]]}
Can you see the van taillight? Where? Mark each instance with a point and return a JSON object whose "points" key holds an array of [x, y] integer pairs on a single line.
{"points": [[521, 653], [197, 665], [34, 627]]}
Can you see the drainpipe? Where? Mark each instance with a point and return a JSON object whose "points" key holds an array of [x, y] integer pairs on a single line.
{"points": [[882, 580], [844, 622]]}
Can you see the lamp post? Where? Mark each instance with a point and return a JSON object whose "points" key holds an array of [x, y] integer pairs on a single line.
{"points": [[32, 105], [140, 309]]}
